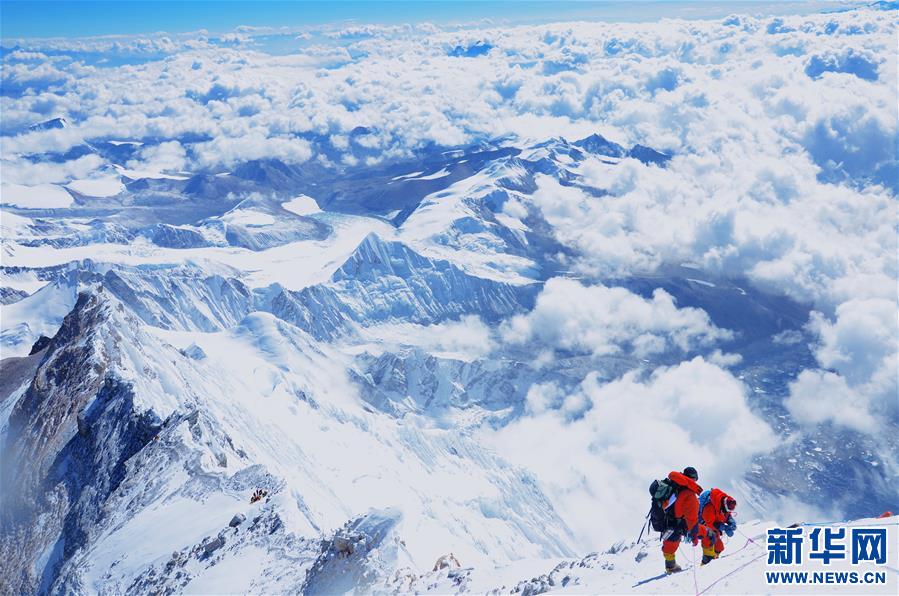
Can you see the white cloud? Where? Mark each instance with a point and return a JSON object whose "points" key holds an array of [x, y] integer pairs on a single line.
{"points": [[764, 217], [467, 339], [169, 156], [782, 143], [22, 171], [230, 150], [597, 449], [861, 341], [604, 321], [687, 86], [542, 397], [860, 390], [819, 396], [467, 335]]}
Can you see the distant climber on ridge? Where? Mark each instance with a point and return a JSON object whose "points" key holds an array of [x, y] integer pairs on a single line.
{"points": [[716, 517], [675, 511]]}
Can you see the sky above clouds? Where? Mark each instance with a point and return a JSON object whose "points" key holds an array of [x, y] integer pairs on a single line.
{"points": [[77, 19], [781, 120]]}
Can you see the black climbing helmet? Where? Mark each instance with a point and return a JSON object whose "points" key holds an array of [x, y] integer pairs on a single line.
{"points": [[690, 472]]}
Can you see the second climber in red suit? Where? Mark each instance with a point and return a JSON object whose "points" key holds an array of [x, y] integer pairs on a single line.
{"points": [[715, 519]]}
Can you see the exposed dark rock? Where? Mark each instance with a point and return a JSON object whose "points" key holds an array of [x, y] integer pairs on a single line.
{"points": [[238, 519], [41, 343]]}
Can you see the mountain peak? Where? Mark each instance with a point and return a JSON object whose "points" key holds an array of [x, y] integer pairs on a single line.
{"points": [[596, 143], [372, 254], [90, 308], [55, 123], [271, 173], [648, 155]]}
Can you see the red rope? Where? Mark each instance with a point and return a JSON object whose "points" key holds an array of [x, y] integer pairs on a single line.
{"points": [[726, 575], [736, 551], [749, 539], [746, 564]]}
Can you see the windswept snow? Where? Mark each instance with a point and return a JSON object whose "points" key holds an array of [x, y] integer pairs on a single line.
{"points": [[467, 339], [42, 196], [442, 173], [97, 187], [294, 265], [447, 225], [407, 176], [701, 282], [26, 281], [248, 217], [11, 225], [301, 205], [152, 174], [23, 322], [435, 176]]}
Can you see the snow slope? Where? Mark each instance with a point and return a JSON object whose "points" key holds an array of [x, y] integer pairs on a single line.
{"points": [[637, 568], [211, 429]]}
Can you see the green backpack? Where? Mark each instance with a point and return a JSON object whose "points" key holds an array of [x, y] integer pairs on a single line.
{"points": [[661, 514]]}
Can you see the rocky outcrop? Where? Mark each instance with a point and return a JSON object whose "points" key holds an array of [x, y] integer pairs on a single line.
{"points": [[357, 556], [66, 445], [11, 295]]}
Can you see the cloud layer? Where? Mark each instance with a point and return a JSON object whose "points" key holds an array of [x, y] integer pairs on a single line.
{"points": [[607, 441], [783, 132], [603, 321], [819, 84]]}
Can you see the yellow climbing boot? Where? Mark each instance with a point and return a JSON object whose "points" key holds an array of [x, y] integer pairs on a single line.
{"points": [[671, 565], [709, 554]]}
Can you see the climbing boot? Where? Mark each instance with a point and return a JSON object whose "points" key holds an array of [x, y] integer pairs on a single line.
{"points": [[709, 554], [671, 565]]}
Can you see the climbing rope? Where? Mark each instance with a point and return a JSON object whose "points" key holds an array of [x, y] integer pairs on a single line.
{"points": [[714, 583], [745, 544], [754, 559], [750, 540], [846, 524], [726, 575], [693, 566]]}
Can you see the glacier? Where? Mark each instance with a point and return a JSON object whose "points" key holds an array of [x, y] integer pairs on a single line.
{"points": [[169, 390], [449, 367]]}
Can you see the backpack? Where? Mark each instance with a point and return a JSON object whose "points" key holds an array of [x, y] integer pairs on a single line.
{"points": [[661, 514], [703, 501]]}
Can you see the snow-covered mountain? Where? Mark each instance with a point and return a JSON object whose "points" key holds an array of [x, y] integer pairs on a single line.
{"points": [[291, 333], [177, 380], [111, 431]]}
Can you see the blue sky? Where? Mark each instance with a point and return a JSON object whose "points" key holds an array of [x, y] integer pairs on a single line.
{"points": [[78, 18]]}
